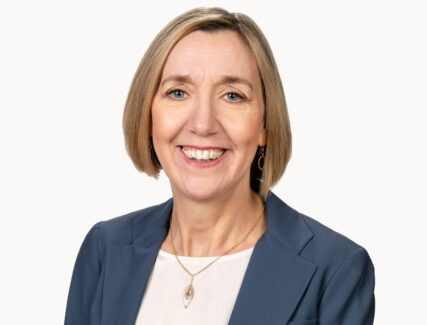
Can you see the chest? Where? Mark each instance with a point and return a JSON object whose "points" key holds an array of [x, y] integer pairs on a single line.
{"points": [[215, 289]]}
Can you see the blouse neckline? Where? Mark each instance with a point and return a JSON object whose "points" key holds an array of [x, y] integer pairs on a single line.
{"points": [[228, 257]]}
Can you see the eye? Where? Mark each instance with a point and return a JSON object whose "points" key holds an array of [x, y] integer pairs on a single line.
{"points": [[176, 93], [233, 97]]}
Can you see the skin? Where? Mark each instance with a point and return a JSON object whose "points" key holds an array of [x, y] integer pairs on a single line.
{"points": [[213, 207]]}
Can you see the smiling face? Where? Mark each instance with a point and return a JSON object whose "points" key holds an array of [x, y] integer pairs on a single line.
{"points": [[207, 115]]}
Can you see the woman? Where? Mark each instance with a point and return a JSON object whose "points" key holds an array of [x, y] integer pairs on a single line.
{"points": [[207, 106]]}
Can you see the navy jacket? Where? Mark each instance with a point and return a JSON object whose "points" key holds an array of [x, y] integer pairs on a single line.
{"points": [[300, 272]]}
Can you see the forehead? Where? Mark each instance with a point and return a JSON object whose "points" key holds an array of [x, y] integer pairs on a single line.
{"points": [[214, 53]]}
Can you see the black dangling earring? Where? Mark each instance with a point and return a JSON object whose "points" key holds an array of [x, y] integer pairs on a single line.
{"points": [[261, 156]]}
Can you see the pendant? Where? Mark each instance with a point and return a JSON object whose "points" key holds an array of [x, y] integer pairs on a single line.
{"points": [[188, 294]]}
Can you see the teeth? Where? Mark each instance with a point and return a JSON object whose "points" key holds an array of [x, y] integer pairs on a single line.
{"points": [[205, 155], [199, 154], [202, 154]]}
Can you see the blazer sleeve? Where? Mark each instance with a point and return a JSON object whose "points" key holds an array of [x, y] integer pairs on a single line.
{"points": [[349, 296], [84, 282]]}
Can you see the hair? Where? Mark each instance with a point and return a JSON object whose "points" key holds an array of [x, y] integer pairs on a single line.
{"points": [[137, 122]]}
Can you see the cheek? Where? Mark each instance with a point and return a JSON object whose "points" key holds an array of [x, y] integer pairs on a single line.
{"points": [[243, 128], [165, 124]]}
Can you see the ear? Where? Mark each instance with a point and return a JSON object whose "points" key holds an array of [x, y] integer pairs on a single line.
{"points": [[262, 138]]}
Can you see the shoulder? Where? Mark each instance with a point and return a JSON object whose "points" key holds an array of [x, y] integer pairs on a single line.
{"points": [[314, 242], [344, 282], [307, 237], [326, 241], [332, 251], [120, 230]]}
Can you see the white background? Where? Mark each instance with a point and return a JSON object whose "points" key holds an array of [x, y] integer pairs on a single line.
{"points": [[355, 78]]}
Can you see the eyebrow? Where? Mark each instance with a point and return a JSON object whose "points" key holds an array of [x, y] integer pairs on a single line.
{"points": [[227, 79]]}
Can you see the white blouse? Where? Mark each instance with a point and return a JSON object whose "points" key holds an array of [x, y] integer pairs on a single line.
{"points": [[215, 289]]}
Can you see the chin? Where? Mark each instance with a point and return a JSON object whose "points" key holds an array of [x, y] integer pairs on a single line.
{"points": [[201, 192], [198, 195]]}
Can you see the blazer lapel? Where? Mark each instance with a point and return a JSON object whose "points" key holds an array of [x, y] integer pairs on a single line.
{"points": [[276, 277], [274, 282], [128, 267]]}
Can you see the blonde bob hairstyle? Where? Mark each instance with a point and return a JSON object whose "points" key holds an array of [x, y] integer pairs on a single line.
{"points": [[137, 122]]}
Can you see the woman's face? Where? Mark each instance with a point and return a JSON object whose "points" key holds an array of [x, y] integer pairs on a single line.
{"points": [[209, 104]]}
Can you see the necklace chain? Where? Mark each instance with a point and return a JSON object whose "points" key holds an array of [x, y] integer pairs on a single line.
{"points": [[239, 242]]}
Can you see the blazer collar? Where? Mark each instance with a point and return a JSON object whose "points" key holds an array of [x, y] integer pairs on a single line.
{"points": [[274, 282], [283, 223]]}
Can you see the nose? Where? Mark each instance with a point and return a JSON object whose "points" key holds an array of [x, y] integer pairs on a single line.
{"points": [[203, 120]]}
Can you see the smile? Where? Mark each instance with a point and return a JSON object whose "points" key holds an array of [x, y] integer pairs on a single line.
{"points": [[202, 155]]}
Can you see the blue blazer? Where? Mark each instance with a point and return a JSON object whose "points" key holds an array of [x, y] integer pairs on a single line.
{"points": [[300, 272]]}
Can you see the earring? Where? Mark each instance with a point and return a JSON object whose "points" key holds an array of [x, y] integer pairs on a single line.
{"points": [[261, 156]]}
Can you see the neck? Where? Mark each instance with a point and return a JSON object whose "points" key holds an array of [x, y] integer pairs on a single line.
{"points": [[211, 228]]}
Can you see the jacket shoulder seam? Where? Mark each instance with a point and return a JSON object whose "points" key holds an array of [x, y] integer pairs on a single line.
{"points": [[348, 259]]}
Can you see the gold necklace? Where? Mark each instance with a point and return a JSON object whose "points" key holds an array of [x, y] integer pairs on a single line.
{"points": [[189, 290]]}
